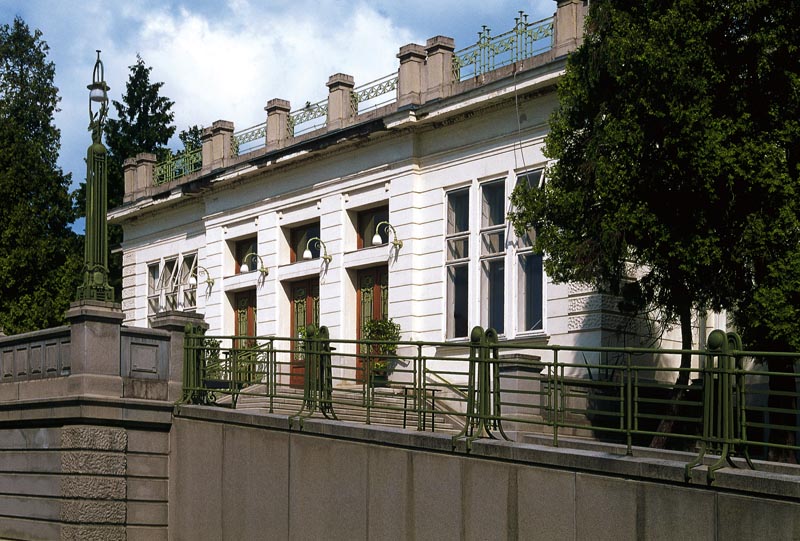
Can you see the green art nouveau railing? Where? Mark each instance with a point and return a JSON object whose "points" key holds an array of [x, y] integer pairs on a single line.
{"points": [[491, 52], [178, 165], [728, 403]]}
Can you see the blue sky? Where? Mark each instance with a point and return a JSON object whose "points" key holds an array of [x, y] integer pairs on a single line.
{"points": [[224, 59]]}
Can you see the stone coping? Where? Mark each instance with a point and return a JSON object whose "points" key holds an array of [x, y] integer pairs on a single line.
{"points": [[87, 409], [781, 481]]}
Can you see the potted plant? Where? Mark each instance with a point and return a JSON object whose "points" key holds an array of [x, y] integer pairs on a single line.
{"points": [[387, 333]]}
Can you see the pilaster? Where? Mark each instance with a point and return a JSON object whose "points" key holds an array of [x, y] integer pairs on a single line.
{"points": [[439, 69], [216, 141], [277, 122], [175, 323], [409, 80], [340, 105], [95, 347], [568, 26]]}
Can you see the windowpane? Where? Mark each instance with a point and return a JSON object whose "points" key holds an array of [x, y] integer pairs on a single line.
{"points": [[458, 211], [152, 278], [457, 248], [533, 179], [493, 210], [367, 220], [493, 242], [457, 300], [494, 293], [530, 292]]}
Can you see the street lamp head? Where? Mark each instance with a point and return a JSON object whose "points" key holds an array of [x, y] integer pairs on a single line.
{"points": [[98, 93], [98, 90], [377, 240]]}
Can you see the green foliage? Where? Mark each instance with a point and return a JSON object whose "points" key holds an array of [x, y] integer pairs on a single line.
{"points": [[191, 138], [387, 332], [677, 140], [40, 257]]}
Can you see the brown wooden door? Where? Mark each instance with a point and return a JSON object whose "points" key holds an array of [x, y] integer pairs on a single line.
{"points": [[373, 303], [245, 303], [305, 311]]}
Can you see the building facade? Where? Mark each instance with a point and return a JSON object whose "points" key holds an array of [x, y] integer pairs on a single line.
{"points": [[267, 230]]}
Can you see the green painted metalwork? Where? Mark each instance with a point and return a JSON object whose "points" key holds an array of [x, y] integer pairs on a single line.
{"points": [[318, 382], [365, 94], [177, 166], [241, 139], [94, 285], [491, 52], [499, 389], [309, 112]]}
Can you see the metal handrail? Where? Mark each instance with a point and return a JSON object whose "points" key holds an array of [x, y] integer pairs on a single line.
{"points": [[491, 52], [724, 410], [178, 165]]}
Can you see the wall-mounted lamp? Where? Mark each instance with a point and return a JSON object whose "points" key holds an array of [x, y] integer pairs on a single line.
{"points": [[246, 268], [320, 244], [193, 278], [376, 238]]}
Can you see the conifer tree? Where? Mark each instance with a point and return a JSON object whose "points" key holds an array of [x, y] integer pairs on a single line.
{"points": [[40, 257]]}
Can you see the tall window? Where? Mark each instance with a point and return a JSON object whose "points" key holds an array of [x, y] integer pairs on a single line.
{"points": [[508, 294], [168, 286], [529, 272], [457, 240], [493, 254]]}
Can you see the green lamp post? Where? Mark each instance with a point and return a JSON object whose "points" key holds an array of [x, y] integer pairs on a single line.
{"points": [[95, 262]]}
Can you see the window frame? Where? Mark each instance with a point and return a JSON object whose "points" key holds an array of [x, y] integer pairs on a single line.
{"points": [[168, 286]]}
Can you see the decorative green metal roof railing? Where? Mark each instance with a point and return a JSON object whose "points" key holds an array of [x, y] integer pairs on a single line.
{"points": [[727, 403], [374, 94], [491, 52], [241, 140], [301, 120], [178, 165]]}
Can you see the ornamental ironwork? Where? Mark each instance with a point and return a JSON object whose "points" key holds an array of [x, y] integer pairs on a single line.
{"points": [[242, 138], [178, 165], [309, 112], [368, 92], [491, 52]]}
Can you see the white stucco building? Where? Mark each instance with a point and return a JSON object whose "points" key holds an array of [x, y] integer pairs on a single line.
{"points": [[438, 162]]}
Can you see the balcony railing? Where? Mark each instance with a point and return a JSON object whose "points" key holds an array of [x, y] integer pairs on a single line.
{"points": [[491, 52], [725, 404], [178, 165]]}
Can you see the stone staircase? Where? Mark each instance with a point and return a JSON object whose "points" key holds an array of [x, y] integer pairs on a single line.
{"points": [[348, 406]]}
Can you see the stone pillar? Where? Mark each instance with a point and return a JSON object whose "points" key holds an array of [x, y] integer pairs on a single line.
{"points": [[409, 78], [175, 323], [568, 26], [340, 106], [129, 174], [94, 482], [95, 348], [277, 122], [216, 142], [145, 171], [439, 69], [138, 172]]}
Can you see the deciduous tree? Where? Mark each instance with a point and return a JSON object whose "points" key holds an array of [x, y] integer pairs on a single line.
{"points": [[677, 143]]}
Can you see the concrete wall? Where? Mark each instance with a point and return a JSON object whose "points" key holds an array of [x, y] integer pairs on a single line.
{"points": [[257, 478], [84, 469]]}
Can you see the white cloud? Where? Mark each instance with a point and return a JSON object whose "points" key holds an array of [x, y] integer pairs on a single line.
{"points": [[225, 60]]}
